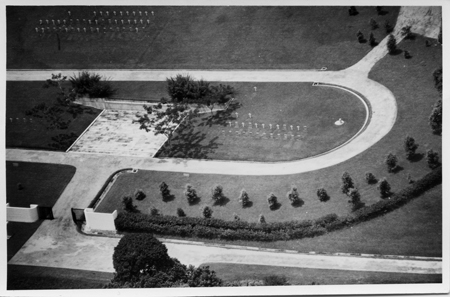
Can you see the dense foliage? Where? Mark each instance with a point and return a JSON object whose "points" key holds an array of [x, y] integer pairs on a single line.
{"points": [[91, 84], [141, 261], [435, 119]]}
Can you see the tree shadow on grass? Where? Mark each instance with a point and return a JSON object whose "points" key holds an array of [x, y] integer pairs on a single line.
{"points": [[396, 52], [416, 158], [275, 206], [397, 169], [298, 203], [169, 198], [248, 205], [188, 144], [222, 202], [195, 201], [222, 117], [357, 206]]}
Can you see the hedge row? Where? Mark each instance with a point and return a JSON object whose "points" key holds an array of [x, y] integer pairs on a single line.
{"points": [[241, 230]]}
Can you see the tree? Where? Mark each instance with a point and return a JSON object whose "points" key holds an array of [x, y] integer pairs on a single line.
{"points": [[410, 147], [128, 205], [372, 40], [355, 198], [437, 77], [141, 261], [275, 280], [347, 182], [373, 24], [406, 32], [262, 219], [180, 212], [217, 194], [407, 55], [139, 194], [370, 178], [352, 11], [391, 162], [137, 254], [432, 159], [392, 44], [91, 85], [273, 201], [385, 188], [293, 196], [323, 195], [360, 37], [244, 199], [435, 119], [206, 211], [388, 27], [154, 211], [165, 192], [191, 194], [379, 10]]}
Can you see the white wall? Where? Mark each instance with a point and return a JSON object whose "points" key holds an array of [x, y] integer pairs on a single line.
{"points": [[99, 221], [22, 214]]}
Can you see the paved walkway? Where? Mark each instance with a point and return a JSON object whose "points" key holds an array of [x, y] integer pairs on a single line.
{"points": [[56, 243]]}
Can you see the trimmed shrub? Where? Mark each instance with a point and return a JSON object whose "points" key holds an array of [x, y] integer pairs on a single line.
{"points": [[432, 159], [347, 182], [262, 219], [352, 11], [180, 212], [323, 195], [391, 162], [410, 147], [370, 178], [406, 32], [388, 27], [435, 119], [360, 37], [164, 189], [410, 179], [293, 196], [372, 40], [217, 193], [206, 211], [154, 211], [191, 194], [407, 55], [385, 188], [355, 198], [392, 44], [437, 77], [90, 84], [273, 201], [19, 186], [236, 217], [139, 194], [244, 200], [127, 203], [373, 24]]}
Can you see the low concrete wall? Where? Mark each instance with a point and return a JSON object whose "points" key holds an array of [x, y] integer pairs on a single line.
{"points": [[101, 103], [96, 221], [22, 214]]}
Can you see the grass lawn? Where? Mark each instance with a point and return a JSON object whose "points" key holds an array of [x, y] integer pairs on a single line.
{"points": [[20, 233], [42, 183], [301, 37], [34, 133], [308, 276], [22, 277], [311, 111]]}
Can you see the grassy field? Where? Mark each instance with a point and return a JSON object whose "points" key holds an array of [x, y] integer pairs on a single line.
{"points": [[307, 276], [20, 233], [191, 37], [48, 278], [308, 112], [27, 131], [42, 183]]}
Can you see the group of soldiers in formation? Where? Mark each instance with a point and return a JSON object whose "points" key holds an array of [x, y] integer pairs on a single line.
{"points": [[115, 21]]}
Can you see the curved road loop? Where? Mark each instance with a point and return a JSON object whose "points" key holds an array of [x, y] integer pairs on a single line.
{"points": [[56, 243]]}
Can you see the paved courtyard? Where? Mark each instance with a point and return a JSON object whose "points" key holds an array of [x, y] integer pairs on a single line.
{"points": [[114, 132]]}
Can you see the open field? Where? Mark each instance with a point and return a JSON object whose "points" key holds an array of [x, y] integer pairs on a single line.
{"points": [[305, 115], [26, 131], [42, 183], [307, 276], [48, 278], [191, 37]]}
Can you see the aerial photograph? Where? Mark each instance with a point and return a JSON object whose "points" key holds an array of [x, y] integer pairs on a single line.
{"points": [[219, 149]]}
